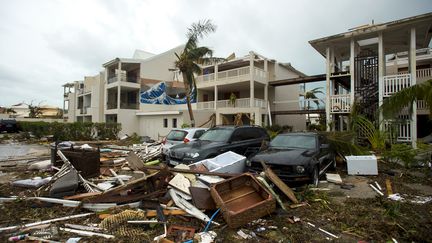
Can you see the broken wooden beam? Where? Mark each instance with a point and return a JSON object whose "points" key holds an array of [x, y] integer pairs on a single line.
{"points": [[279, 183]]}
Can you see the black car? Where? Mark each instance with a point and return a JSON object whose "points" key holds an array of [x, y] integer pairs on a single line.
{"points": [[8, 125], [296, 157], [243, 140]]}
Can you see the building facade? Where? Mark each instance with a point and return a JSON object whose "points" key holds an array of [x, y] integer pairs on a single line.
{"points": [[370, 63], [146, 95]]}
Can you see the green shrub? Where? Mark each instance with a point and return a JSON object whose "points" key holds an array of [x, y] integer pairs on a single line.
{"points": [[71, 131], [401, 152]]}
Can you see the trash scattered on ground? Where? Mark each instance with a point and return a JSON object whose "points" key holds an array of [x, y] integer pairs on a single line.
{"points": [[136, 197]]}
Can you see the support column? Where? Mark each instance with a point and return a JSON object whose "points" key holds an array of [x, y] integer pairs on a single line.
{"points": [[381, 74], [251, 82], [266, 80], [413, 71], [215, 96], [105, 90], [118, 84], [328, 90], [352, 75], [216, 70]]}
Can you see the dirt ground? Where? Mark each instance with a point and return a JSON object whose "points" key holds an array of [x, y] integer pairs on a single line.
{"points": [[354, 215]]}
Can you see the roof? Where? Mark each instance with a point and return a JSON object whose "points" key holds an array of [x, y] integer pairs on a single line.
{"points": [[147, 57], [395, 36], [291, 68]]}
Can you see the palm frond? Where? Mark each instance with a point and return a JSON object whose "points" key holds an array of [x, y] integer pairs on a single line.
{"points": [[406, 97], [198, 30]]}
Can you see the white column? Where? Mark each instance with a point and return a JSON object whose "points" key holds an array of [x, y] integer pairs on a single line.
{"points": [[352, 58], [105, 90], [216, 70], [328, 90], [381, 74], [413, 70], [266, 80], [215, 96], [251, 82], [118, 84]]}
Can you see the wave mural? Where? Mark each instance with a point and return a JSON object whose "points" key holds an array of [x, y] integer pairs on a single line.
{"points": [[157, 95]]}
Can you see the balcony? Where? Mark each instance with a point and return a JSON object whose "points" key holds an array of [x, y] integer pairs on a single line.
{"points": [[123, 79], [239, 103], [395, 83], [233, 75], [401, 130], [340, 103]]}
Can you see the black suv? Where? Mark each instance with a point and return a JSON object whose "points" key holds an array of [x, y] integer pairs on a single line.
{"points": [[8, 125], [243, 140]]}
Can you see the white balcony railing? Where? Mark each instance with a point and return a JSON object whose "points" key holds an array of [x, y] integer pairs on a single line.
{"points": [[208, 105], [395, 83], [123, 78], [403, 130], [239, 103], [238, 73], [340, 103], [421, 73]]}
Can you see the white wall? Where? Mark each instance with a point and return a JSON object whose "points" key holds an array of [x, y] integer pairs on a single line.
{"points": [[152, 126], [129, 121], [157, 67]]}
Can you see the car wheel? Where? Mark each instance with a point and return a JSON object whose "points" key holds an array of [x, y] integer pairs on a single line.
{"points": [[315, 176]]}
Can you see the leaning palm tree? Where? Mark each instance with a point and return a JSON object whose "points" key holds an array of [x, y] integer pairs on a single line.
{"points": [[191, 57], [311, 94], [406, 97]]}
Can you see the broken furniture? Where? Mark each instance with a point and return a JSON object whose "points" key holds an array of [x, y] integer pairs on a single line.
{"points": [[242, 199], [86, 161]]}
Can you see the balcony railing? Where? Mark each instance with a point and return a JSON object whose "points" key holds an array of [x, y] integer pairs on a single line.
{"points": [[395, 83], [237, 73], [208, 105], [239, 103], [340, 103], [123, 78], [402, 130], [421, 73]]}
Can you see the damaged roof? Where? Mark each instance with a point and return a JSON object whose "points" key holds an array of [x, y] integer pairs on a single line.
{"points": [[395, 36]]}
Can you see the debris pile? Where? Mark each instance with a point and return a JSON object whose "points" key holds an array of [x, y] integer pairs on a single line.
{"points": [[137, 197]]}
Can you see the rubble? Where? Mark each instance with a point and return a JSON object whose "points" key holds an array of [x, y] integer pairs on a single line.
{"points": [[136, 197]]}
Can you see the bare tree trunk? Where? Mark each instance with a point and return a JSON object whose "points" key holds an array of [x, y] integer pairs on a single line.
{"points": [[188, 99]]}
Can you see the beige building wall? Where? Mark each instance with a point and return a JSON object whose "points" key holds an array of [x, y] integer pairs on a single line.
{"points": [[288, 92]]}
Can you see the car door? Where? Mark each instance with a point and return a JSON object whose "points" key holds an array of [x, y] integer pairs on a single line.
{"points": [[237, 141], [324, 150]]}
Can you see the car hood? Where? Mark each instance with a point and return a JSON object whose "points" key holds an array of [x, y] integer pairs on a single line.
{"points": [[285, 156], [196, 146]]}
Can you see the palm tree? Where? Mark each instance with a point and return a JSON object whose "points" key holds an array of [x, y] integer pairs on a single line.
{"points": [[311, 94], [406, 97], [192, 56]]}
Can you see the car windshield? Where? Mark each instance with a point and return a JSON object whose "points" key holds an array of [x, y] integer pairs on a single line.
{"points": [[293, 141], [176, 135], [217, 135]]}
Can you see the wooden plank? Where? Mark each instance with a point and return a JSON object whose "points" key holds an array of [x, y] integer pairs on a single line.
{"points": [[279, 183], [135, 163], [223, 175], [389, 187], [300, 80]]}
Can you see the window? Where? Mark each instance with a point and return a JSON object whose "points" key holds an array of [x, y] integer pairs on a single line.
{"points": [[165, 122], [198, 133], [176, 135], [174, 122]]}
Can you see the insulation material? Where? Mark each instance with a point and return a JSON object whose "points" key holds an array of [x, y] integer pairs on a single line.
{"points": [[117, 224]]}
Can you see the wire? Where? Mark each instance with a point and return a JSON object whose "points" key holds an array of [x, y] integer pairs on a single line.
{"points": [[211, 219]]}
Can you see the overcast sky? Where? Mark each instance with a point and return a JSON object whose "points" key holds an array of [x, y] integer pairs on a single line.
{"points": [[44, 44]]}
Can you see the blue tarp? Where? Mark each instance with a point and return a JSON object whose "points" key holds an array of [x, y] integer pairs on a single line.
{"points": [[157, 95]]}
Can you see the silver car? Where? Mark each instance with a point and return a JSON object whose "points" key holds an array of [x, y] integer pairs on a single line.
{"points": [[181, 135]]}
